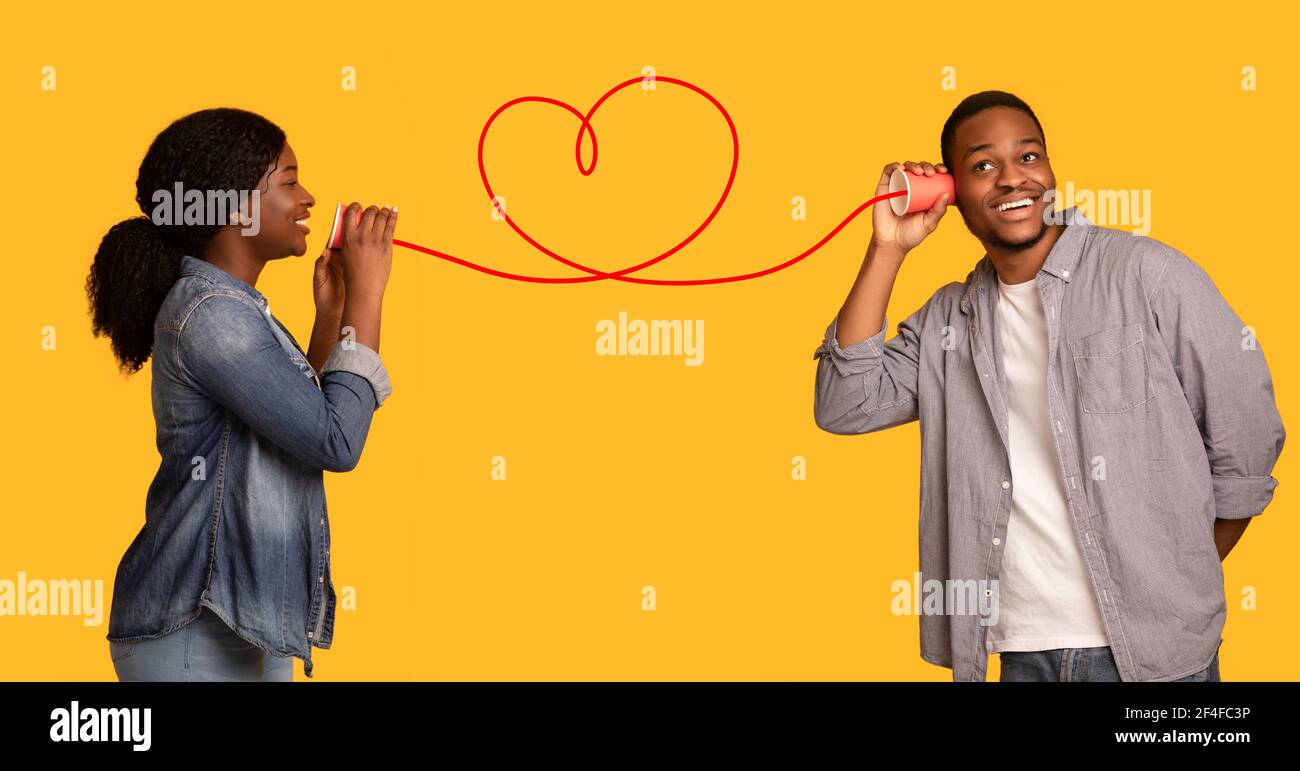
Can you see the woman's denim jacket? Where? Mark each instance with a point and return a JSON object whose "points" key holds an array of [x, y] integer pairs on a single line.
{"points": [[235, 518]]}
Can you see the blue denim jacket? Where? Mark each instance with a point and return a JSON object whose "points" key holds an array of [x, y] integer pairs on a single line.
{"points": [[235, 519]]}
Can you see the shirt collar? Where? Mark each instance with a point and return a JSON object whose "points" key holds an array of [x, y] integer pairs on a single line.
{"points": [[194, 266], [1060, 262]]}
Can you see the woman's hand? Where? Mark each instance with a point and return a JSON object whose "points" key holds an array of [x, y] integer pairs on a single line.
{"points": [[328, 288], [368, 248], [367, 262]]}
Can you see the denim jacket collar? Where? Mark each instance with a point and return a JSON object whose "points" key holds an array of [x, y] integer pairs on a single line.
{"points": [[195, 266], [1060, 261]]}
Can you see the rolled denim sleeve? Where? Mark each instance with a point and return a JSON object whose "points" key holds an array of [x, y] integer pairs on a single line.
{"points": [[227, 349], [1227, 384], [871, 384], [361, 360]]}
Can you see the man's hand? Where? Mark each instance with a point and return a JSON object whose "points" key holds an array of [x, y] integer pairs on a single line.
{"points": [[1226, 534], [902, 234]]}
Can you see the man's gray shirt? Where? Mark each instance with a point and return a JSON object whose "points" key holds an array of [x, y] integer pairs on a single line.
{"points": [[1164, 418]]}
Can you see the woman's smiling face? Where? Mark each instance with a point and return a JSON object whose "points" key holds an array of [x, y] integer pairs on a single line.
{"points": [[1000, 158], [284, 207]]}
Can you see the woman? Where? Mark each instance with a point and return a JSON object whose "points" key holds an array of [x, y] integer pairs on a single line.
{"points": [[229, 577]]}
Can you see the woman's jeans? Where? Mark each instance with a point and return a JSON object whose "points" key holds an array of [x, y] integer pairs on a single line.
{"points": [[1079, 665], [205, 649]]}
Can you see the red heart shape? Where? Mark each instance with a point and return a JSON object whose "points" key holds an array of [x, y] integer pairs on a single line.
{"points": [[586, 129]]}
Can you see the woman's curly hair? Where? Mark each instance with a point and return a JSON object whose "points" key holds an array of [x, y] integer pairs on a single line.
{"points": [[138, 261]]}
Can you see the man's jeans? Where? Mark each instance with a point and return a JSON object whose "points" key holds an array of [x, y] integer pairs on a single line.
{"points": [[1079, 665], [204, 649]]}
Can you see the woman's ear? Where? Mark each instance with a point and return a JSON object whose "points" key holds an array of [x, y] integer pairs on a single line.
{"points": [[248, 213]]}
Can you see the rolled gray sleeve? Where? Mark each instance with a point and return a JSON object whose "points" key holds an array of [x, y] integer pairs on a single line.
{"points": [[361, 359], [871, 384], [857, 358], [1226, 380]]}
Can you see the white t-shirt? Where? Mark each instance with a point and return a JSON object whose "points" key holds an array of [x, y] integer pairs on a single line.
{"points": [[1045, 597]]}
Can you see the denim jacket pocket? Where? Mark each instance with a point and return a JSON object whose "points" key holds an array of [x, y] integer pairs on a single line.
{"points": [[1112, 369]]}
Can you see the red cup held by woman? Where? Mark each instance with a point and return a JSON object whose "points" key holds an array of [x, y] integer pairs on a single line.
{"points": [[336, 231], [922, 190]]}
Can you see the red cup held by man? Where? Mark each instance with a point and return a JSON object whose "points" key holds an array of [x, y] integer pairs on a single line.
{"points": [[921, 190]]}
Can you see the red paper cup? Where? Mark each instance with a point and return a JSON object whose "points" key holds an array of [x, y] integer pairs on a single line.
{"points": [[336, 230], [922, 190]]}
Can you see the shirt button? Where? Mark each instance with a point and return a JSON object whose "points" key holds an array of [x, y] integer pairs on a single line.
{"points": [[320, 580], [309, 634], [1005, 484], [1065, 274], [997, 541]]}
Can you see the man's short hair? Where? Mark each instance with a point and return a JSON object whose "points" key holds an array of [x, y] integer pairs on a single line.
{"points": [[976, 103]]}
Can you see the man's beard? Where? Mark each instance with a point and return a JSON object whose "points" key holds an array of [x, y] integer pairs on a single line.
{"points": [[997, 242]]}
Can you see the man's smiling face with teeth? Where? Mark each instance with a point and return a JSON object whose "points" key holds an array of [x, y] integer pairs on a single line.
{"points": [[999, 163]]}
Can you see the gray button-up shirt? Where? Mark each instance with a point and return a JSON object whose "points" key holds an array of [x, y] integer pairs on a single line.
{"points": [[1162, 409]]}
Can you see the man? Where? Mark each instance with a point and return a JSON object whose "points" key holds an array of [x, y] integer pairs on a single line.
{"points": [[1097, 424]]}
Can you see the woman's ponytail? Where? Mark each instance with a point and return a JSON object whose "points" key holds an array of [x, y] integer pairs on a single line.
{"points": [[134, 268]]}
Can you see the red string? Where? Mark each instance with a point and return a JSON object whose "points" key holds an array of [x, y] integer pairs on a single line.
{"points": [[585, 129]]}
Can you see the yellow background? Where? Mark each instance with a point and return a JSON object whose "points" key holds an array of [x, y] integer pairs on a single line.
{"points": [[623, 471]]}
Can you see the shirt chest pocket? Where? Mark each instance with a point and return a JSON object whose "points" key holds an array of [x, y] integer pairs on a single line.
{"points": [[1112, 369]]}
